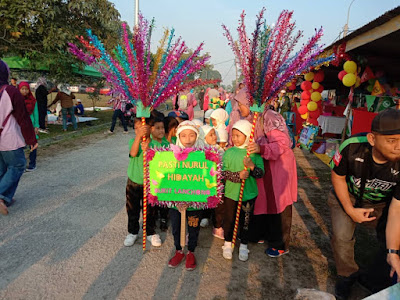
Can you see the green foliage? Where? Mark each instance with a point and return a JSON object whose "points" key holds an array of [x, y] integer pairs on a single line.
{"points": [[41, 30]]}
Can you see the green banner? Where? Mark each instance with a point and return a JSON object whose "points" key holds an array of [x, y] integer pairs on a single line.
{"points": [[191, 180]]}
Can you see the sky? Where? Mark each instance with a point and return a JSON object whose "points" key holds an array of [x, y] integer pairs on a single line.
{"points": [[200, 21]]}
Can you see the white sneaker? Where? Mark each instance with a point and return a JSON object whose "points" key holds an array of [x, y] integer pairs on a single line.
{"points": [[243, 252], [227, 250], [155, 240], [130, 240], [204, 222]]}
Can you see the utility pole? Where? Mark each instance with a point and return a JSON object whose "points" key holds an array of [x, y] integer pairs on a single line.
{"points": [[136, 12], [346, 26]]}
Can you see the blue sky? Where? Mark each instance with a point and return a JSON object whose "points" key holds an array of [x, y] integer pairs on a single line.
{"points": [[200, 21]]}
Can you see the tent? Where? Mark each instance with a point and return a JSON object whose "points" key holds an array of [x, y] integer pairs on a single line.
{"points": [[16, 62]]}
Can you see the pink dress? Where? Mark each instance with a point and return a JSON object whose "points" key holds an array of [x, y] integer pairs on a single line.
{"points": [[278, 188], [191, 103]]}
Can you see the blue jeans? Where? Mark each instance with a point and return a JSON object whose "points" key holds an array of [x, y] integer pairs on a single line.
{"points": [[118, 114], [32, 159], [69, 111], [12, 166]]}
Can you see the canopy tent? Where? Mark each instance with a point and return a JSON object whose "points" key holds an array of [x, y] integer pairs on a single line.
{"points": [[16, 62]]}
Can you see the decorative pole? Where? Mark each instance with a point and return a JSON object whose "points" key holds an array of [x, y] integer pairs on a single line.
{"points": [[144, 190], [256, 110]]}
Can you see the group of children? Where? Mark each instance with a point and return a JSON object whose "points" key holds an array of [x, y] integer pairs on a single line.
{"points": [[160, 132]]}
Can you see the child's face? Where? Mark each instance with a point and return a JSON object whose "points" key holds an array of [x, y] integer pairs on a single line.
{"points": [[24, 91], [157, 130], [244, 110], [211, 137], [222, 144], [207, 121], [188, 138], [238, 138]]}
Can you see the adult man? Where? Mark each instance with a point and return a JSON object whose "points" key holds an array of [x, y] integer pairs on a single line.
{"points": [[16, 130], [213, 93], [66, 97], [366, 179], [119, 105], [200, 96]]}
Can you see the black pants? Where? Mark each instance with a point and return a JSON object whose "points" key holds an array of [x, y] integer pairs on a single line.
{"points": [[118, 114], [42, 109], [246, 214], [134, 203], [193, 221], [163, 212], [218, 215], [274, 228]]}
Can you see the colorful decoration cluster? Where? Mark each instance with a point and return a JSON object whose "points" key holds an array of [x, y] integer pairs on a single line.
{"points": [[139, 75], [310, 103], [267, 64], [216, 103], [349, 75]]}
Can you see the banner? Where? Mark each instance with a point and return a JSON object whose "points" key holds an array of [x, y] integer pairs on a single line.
{"points": [[307, 135], [386, 102], [367, 75], [370, 101], [378, 89], [186, 175]]}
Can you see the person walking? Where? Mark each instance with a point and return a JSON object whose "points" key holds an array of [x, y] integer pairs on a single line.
{"points": [[41, 98], [16, 130], [119, 105]]}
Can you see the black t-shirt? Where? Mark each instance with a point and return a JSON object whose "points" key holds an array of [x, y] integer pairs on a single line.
{"points": [[41, 95], [353, 158]]}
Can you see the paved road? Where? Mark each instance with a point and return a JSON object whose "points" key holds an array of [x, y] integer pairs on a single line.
{"points": [[63, 239]]}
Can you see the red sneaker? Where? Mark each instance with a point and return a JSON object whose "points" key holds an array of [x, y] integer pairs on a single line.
{"points": [[177, 259], [190, 261]]}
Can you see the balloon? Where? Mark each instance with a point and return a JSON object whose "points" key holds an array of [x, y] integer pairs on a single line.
{"points": [[221, 102], [305, 95], [292, 87], [349, 79], [320, 89], [314, 114], [306, 85], [350, 67], [319, 76], [358, 82], [316, 96], [312, 106], [303, 110], [370, 88], [304, 102], [342, 74], [304, 116], [315, 85], [309, 76]]}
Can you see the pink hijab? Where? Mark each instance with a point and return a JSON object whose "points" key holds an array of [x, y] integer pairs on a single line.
{"points": [[274, 121]]}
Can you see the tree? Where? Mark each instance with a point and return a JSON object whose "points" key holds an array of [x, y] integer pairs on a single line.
{"points": [[41, 29]]}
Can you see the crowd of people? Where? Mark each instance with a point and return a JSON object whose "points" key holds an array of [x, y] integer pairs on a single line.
{"points": [[365, 175]]}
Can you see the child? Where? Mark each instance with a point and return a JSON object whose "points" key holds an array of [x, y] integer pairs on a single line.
{"points": [[170, 124], [134, 188], [187, 137], [222, 139], [197, 122], [218, 118], [32, 108], [209, 137], [207, 116], [158, 140], [234, 161]]}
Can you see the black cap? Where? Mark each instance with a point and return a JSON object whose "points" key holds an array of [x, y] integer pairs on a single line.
{"points": [[387, 122]]}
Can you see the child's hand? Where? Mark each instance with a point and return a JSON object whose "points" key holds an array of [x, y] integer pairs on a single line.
{"points": [[248, 163], [182, 206], [145, 145], [143, 130], [244, 174]]}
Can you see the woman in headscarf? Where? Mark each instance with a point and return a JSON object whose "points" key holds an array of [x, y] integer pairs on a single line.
{"points": [[16, 132], [187, 102], [41, 98], [32, 108], [278, 188]]}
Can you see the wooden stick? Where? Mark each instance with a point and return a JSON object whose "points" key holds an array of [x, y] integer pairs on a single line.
{"points": [[239, 206], [183, 228], [144, 191]]}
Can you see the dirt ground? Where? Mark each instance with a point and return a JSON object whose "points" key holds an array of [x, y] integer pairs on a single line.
{"points": [[101, 268]]}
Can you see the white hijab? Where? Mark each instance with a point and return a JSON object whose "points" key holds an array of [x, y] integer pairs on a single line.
{"points": [[64, 88], [197, 122], [244, 127], [191, 126], [221, 116], [208, 113], [222, 135], [204, 130]]}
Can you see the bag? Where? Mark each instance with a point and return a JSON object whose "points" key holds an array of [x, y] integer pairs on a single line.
{"points": [[183, 102]]}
